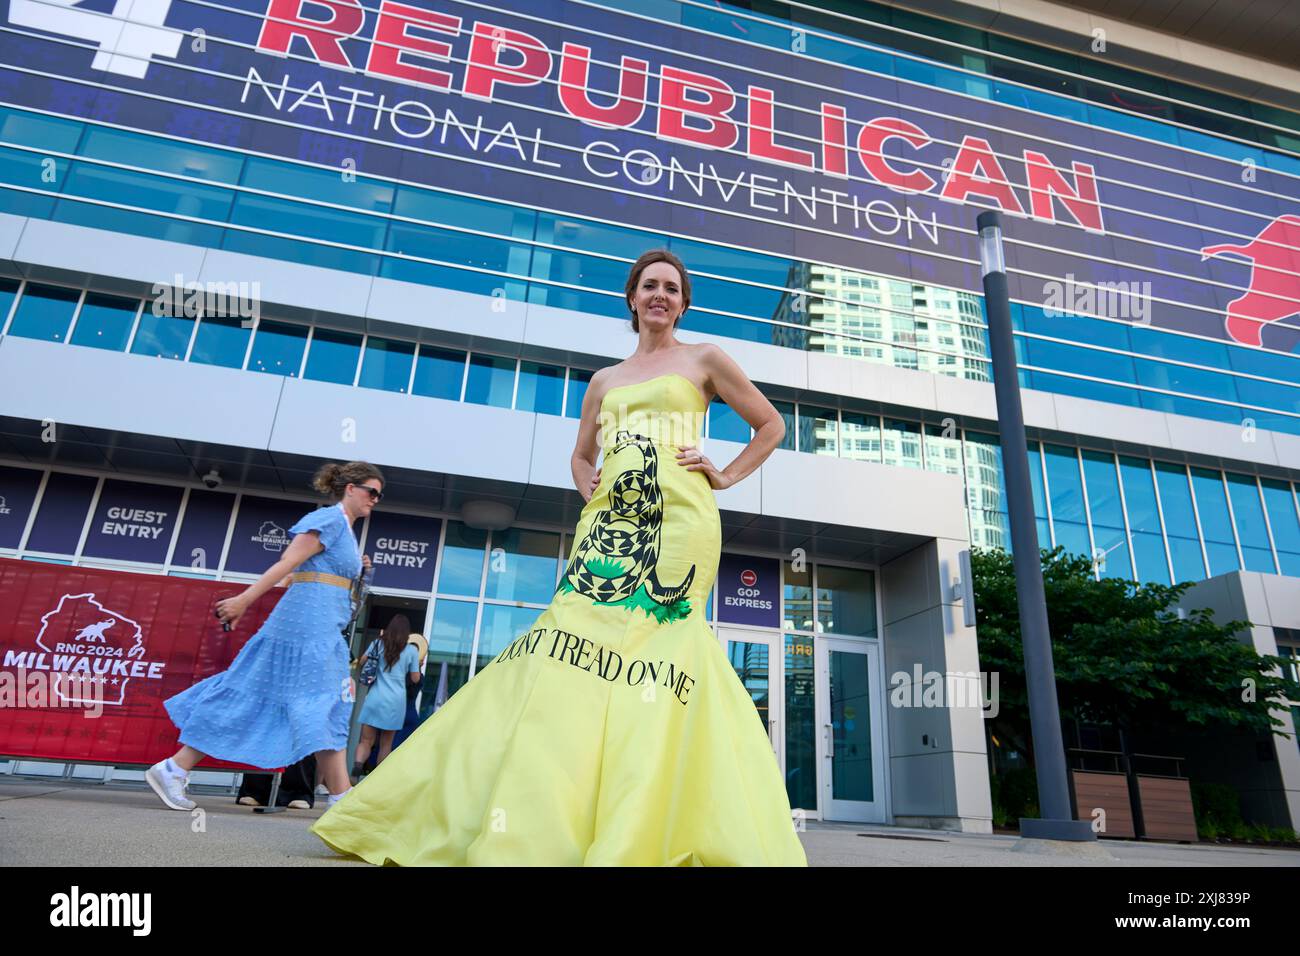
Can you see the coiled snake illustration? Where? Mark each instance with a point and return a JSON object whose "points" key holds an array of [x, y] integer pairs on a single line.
{"points": [[629, 528]]}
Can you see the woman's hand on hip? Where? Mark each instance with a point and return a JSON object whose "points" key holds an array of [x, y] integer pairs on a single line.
{"points": [[595, 483], [694, 460]]}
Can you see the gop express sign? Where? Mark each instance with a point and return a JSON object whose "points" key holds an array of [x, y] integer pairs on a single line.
{"points": [[701, 133]]}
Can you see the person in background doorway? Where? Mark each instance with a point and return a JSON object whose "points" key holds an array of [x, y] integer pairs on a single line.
{"points": [[412, 719], [384, 710]]}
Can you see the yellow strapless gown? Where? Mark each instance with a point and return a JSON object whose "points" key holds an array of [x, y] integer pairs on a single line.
{"points": [[614, 731]]}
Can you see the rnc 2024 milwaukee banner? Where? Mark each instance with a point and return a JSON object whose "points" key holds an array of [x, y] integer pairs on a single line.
{"points": [[88, 656], [623, 117]]}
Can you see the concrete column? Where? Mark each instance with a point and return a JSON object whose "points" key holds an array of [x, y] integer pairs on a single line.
{"points": [[937, 757]]}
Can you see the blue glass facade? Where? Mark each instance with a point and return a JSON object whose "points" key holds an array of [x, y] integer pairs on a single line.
{"points": [[518, 253], [1137, 518], [1141, 519]]}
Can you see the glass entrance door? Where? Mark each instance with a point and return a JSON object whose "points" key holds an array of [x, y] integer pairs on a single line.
{"points": [[850, 745], [756, 658], [777, 670]]}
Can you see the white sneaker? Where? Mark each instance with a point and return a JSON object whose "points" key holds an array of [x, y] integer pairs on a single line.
{"points": [[299, 805], [169, 787]]}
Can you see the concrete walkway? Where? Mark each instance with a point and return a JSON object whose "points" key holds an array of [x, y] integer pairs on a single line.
{"points": [[61, 824]]}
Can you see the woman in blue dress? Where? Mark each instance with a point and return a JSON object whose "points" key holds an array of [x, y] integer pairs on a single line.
{"points": [[288, 692], [384, 710]]}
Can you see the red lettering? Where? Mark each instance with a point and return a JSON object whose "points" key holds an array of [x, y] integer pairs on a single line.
{"points": [[720, 98], [633, 77], [761, 124], [976, 171], [835, 131], [284, 21], [485, 69], [392, 40], [871, 141], [1046, 181]]}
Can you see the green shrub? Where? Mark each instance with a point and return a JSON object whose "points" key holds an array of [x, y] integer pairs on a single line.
{"points": [[1015, 795], [1218, 811]]}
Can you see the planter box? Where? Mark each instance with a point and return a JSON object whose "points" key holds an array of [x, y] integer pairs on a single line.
{"points": [[1167, 808], [1108, 791]]}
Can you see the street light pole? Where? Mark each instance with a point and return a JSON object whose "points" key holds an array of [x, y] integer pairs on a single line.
{"points": [[1056, 822]]}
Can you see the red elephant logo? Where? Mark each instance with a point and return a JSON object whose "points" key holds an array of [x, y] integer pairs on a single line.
{"points": [[1274, 292]]}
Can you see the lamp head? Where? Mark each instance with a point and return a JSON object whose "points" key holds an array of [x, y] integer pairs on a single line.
{"points": [[989, 225]]}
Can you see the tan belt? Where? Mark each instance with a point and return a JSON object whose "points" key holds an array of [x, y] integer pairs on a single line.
{"points": [[320, 577]]}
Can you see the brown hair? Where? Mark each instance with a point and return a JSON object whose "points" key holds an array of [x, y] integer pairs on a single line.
{"points": [[395, 638], [649, 259], [333, 479]]}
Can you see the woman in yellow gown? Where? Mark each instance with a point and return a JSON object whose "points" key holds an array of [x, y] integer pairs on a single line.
{"points": [[614, 731]]}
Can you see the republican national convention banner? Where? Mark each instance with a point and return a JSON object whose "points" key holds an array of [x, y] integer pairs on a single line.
{"points": [[741, 133], [88, 656]]}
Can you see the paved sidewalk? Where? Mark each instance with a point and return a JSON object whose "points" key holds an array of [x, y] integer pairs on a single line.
{"points": [[59, 824]]}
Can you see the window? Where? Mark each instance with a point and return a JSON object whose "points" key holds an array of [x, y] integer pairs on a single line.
{"points": [[153, 152], [8, 292], [1040, 499], [818, 430], [1284, 522], [502, 624], [902, 443], [943, 449], [145, 191], [1110, 549], [278, 348], [1288, 646], [579, 379], [439, 373], [462, 560], [221, 340], [459, 248], [1248, 512], [333, 356], [1144, 520], [105, 322], [44, 312], [523, 566], [451, 640], [726, 424], [491, 380], [797, 592], [860, 437], [302, 219], [541, 388], [387, 364], [1066, 490], [1216, 526], [846, 601], [163, 336], [1180, 522], [986, 492]]}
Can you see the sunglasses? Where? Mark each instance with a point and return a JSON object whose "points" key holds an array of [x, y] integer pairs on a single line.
{"points": [[375, 495]]}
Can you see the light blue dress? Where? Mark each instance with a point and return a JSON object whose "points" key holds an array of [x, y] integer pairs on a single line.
{"points": [[288, 693], [385, 705]]}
